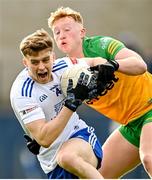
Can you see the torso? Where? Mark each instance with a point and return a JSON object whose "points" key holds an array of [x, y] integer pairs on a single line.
{"points": [[131, 96], [31, 101]]}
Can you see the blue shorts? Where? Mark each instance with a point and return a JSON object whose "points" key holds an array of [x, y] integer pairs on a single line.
{"points": [[88, 135]]}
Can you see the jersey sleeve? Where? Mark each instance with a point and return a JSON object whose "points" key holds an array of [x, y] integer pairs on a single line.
{"points": [[102, 46], [59, 66], [111, 46], [27, 110]]}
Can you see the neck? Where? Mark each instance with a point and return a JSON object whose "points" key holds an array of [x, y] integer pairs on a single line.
{"points": [[76, 53], [74, 56]]}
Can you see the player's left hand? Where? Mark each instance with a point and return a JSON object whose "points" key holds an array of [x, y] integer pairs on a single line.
{"points": [[32, 145], [106, 77]]}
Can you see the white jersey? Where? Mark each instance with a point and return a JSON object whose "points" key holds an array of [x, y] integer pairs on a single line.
{"points": [[32, 101]]}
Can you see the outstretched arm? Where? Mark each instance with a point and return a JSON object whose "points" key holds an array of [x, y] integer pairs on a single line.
{"points": [[129, 61]]}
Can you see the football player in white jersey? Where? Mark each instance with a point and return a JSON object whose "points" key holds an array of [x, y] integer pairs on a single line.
{"points": [[69, 148]]}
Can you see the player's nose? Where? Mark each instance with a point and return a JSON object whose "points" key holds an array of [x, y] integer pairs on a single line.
{"points": [[41, 66]]}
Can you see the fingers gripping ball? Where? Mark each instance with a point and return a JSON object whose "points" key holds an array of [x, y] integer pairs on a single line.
{"points": [[106, 77], [76, 95], [81, 73]]}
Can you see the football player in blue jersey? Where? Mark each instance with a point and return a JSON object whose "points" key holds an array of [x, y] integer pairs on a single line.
{"points": [[68, 148]]}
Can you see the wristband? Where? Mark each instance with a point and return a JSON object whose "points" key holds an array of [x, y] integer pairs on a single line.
{"points": [[114, 63], [72, 105]]}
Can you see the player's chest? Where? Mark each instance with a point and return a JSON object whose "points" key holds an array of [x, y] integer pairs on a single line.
{"points": [[48, 93]]}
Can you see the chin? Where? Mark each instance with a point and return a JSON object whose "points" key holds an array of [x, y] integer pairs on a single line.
{"points": [[64, 50], [43, 81]]}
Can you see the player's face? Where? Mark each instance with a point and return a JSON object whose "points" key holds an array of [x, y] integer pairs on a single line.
{"points": [[40, 66], [68, 35]]}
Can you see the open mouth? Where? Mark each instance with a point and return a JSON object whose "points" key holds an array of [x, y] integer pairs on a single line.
{"points": [[42, 75]]}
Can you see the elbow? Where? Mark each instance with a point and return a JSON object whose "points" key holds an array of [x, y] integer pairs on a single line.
{"points": [[44, 138], [142, 68], [145, 68], [44, 143]]}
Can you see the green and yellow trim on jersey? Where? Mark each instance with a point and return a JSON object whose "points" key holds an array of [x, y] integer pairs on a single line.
{"points": [[113, 46], [101, 46]]}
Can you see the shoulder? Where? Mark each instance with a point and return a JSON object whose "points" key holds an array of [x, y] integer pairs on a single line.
{"points": [[104, 46], [22, 85], [103, 40], [60, 63]]}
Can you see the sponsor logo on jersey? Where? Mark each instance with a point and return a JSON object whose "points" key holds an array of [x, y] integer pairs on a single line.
{"points": [[104, 42], [76, 127], [92, 100], [43, 97], [23, 112], [56, 89], [58, 107]]}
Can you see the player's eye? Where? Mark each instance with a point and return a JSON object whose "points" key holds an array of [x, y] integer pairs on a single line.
{"points": [[46, 60], [67, 29], [34, 62], [57, 32]]}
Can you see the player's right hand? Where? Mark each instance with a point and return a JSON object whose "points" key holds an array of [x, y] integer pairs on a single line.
{"points": [[32, 145], [84, 89]]}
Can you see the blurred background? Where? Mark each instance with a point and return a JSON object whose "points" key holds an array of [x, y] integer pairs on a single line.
{"points": [[128, 21]]}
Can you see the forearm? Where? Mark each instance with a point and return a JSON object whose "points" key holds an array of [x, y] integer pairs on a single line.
{"points": [[45, 132], [53, 128], [130, 62], [94, 61], [131, 66]]}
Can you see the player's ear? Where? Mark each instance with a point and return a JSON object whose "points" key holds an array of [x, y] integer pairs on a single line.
{"points": [[24, 62], [83, 33]]}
